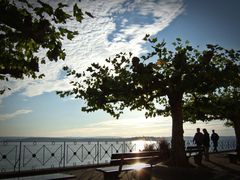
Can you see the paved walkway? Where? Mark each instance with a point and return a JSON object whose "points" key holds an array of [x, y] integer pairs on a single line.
{"points": [[218, 168]]}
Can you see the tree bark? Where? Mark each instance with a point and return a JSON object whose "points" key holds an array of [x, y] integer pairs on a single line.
{"points": [[178, 155], [236, 125]]}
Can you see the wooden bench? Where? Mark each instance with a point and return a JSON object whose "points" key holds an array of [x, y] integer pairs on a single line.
{"points": [[130, 161], [195, 152], [233, 157], [44, 177]]}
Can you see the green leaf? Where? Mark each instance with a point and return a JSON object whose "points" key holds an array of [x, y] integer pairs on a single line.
{"points": [[146, 37], [77, 12], [61, 5], [178, 39], [153, 40], [75, 33], [41, 76], [65, 68], [63, 30], [210, 46], [70, 35], [189, 48], [46, 8], [90, 69], [61, 16]]}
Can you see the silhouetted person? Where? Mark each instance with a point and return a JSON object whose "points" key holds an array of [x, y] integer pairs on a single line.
{"points": [[198, 138], [214, 138], [206, 144]]}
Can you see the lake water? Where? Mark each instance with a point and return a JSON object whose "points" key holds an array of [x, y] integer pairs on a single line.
{"points": [[38, 153]]}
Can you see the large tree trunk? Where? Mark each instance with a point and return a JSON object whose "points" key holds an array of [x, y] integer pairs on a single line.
{"points": [[178, 155], [236, 125]]}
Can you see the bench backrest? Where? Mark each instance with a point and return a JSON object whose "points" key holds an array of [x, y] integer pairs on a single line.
{"points": [[194, 150], [132, 158]]}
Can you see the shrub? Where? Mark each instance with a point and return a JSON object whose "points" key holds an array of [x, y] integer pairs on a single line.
{"points": [[149, 147]]}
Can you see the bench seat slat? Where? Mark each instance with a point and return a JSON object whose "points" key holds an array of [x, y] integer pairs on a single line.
{"points": [[148, 160], [108, 169], [129, 161], [195, 147], [124, 168], [131, 155], [194, 151]]}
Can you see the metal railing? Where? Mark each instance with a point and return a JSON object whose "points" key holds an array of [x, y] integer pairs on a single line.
{"points": [[26, 155], [17, 156]]}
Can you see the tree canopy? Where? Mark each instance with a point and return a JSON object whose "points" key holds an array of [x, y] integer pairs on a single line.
{"points": [[223, 104], [162, 77], [25, 28]]}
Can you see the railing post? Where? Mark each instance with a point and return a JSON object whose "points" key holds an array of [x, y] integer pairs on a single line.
{"points": [[64, 150], [19, 157], [43, 154], [98, 152]]}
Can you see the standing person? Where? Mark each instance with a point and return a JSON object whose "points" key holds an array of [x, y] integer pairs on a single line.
{"points": [[198, 138], [214, 138], [206, 144]]}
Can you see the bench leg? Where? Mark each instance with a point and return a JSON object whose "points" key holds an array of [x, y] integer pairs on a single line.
{"points": [[198, 159], [111, 176]]}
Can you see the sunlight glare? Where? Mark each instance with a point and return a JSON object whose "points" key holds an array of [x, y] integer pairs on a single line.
{"points": [[138, 166], [139, 145]]}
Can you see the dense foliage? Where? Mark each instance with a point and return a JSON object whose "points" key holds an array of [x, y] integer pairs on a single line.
{"points": [[223, 104], [28, 26]]}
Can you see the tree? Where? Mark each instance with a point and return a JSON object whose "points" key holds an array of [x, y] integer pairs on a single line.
{"points": [[162, 77], [223, 104], [25, 28]]}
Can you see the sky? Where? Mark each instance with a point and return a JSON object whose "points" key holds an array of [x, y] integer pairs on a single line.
{"points": [[32, 107]]}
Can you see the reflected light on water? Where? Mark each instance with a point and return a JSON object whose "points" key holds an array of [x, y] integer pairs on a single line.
{"points": [[142, 144], [139, 145]]}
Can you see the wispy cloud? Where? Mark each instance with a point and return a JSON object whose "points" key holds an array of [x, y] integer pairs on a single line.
{"points": [[4, 117], [118, 26], [218, 125], [130, 127], [160, 126]]}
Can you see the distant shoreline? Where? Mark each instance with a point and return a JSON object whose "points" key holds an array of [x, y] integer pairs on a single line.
{"points": [[106, 138]]}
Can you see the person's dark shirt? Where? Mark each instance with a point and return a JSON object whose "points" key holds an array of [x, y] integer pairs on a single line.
{"points": [[214, 137], [198, 138], [206, 140]]}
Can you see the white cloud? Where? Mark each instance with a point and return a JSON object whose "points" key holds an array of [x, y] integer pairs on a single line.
{"points": [[118, 26], [4, 117], [35, 88]]}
